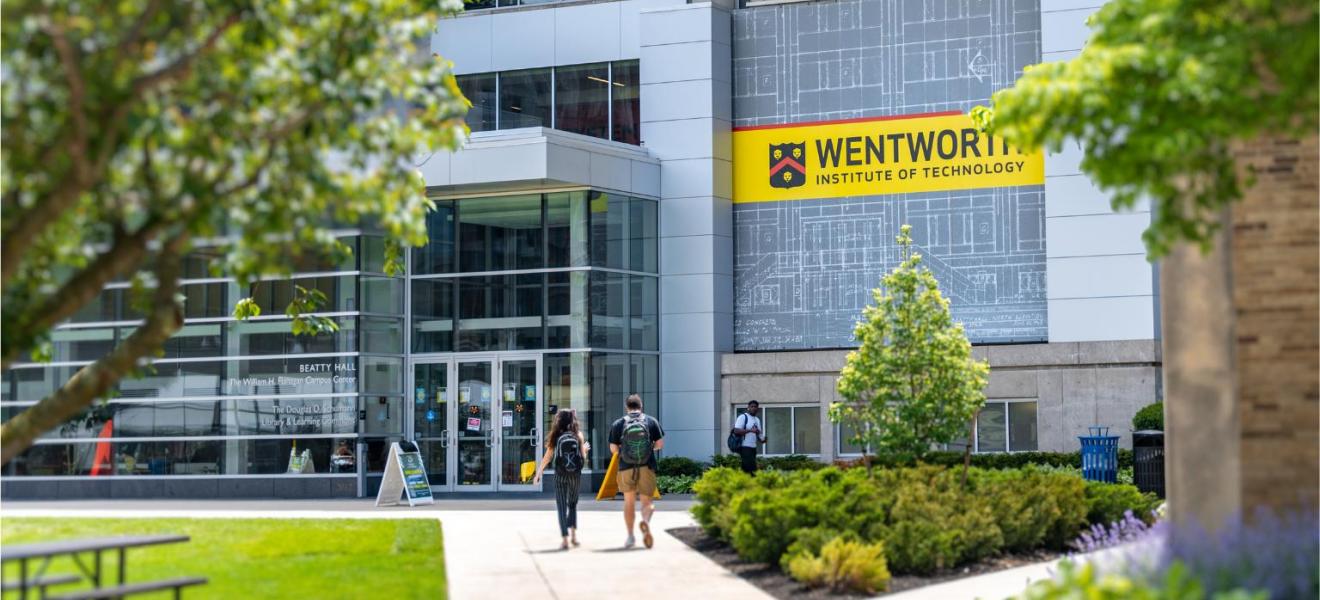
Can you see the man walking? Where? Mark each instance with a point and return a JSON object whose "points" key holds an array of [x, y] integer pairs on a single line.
{"points": [[636, 437], [748, 426]]}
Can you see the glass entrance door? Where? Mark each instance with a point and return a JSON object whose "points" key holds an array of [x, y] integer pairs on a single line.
{"points": [[476, 435], [476, 421], [432, 420], [520, 395]]}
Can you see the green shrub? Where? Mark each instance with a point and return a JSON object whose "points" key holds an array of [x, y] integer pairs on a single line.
{"points": [[1035, 507], [809, 540], [1105, 502], [792, 462], [926, 516], [715, 492], [933, 523], [996, 460], [765, 517], [675, 484], [728, 461], [679, 466], [1150, 416], [844, 565]]}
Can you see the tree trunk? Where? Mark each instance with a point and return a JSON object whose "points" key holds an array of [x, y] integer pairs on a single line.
{"points": [[82, 288], [95, 380], [967, 457]]}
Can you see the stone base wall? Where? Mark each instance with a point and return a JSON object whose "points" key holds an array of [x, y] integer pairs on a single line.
{"points": [[1075, 385], [20, 488]]}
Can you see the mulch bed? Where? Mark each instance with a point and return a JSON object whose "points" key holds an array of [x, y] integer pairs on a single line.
{"points": [[778, 584]]}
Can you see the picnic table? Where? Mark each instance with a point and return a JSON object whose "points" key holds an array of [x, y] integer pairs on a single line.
{"points": [[42, 553]]}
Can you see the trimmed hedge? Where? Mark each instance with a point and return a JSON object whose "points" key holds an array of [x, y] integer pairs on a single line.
{"points": [[1106, 503], [1150, 417], [679, 466], [998, 460], [791, 462], [675, 484], [925, 516]]}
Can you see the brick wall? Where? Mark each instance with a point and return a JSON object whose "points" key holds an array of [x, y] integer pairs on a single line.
{"points": [[1276, 297]]}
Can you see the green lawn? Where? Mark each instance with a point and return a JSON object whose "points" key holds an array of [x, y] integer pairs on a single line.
{"points": [[267, 558]]}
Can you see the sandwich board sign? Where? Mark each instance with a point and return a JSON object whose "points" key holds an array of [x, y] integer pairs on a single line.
{"points": [[405, 477]]}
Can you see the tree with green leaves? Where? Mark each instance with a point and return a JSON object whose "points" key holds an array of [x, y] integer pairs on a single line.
{"points": [[138, 131], [1160, 93], [912, 381]]}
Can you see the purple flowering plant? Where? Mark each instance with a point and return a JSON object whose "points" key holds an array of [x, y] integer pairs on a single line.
{"points": [[1275, 553]]}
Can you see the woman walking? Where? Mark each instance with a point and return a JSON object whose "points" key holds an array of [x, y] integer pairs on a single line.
{"points": [[568, 448]]}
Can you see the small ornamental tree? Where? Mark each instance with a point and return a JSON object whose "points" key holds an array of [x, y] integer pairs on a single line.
{"points": [[912, 382]]}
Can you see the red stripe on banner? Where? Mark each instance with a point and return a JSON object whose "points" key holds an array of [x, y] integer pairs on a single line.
{"points": [[787, 161], [947, 113]]}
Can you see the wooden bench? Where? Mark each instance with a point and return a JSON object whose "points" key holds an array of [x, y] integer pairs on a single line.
{"points": [[177, 584]]}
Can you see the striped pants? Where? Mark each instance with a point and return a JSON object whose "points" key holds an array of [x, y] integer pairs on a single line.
{"points": [[566, 500]]}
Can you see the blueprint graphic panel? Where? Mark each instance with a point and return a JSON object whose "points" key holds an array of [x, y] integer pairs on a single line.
{"points": [[804, 269]]}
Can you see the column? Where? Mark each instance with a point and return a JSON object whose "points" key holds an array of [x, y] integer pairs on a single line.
{"points": [[686, 97]]}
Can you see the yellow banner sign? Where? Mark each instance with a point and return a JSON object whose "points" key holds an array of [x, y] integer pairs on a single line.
{"points": [[884, 155]]}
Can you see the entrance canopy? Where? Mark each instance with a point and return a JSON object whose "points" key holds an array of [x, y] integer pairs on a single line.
{"points": [[536, 157]]}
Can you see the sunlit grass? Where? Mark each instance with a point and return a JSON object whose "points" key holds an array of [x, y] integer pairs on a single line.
{"points": [[265, 558]]}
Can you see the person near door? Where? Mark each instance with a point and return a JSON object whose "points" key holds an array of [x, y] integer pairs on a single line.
{"points": [[568, 448], [636, 437], [748, 425]]}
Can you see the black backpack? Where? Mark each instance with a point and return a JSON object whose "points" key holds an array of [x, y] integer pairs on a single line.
{"points": [[735, 441], [568, 453], [635, 445]]}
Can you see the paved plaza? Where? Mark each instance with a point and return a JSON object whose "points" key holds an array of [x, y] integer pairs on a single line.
{"points": [[509, 548]]}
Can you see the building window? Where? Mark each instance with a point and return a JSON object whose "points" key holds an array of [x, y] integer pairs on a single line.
{"points": [[601, 100], [1006, 426], [788, 429], [524, 99], [625, 102], [500, 233], [843, 445], [480, 91], [582, 99]]}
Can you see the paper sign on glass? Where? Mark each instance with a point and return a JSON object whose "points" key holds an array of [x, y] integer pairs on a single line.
{"points": [[474, 424], [506, 419]]}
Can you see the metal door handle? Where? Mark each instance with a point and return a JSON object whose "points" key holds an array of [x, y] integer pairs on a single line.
{"points": [[444, 438], [532, 440]]}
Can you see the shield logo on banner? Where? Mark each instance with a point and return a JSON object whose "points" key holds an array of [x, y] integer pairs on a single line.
{"points": [[788, 165]]}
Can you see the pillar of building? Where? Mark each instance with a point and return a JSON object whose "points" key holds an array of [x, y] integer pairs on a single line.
{"points": [[686, 87]]}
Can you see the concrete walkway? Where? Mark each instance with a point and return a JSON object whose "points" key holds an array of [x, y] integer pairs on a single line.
{"points": [[990, 586], [498, 552]]}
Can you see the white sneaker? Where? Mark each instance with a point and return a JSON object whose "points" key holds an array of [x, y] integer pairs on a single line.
{"points": [[630, 542]]}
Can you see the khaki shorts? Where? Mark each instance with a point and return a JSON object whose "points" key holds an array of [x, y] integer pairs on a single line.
{"points": [[644, 483]]}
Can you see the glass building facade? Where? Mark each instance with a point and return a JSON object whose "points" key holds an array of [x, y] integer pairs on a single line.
{"points": [[527, 303], [601, 100]]}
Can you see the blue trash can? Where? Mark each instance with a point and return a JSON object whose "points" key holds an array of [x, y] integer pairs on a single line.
{"points": [[1099, 455]]}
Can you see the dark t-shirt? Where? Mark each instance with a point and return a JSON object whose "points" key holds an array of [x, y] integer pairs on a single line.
{"points": [[616, 436]]}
